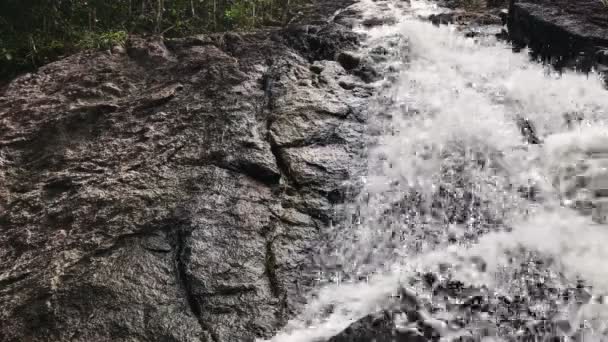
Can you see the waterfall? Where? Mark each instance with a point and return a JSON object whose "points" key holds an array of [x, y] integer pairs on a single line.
{"points": [[452, 177]]}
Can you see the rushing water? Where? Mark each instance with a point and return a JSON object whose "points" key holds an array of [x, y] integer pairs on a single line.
{"points": [[447, 122]]}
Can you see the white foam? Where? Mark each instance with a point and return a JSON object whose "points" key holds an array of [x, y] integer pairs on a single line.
{"points": [[467, 94]]}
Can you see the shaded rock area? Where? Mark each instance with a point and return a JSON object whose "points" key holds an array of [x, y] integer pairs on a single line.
{"points": [[174, 190], [474, 18], [462, 17], [473, 4], [571, 34]]}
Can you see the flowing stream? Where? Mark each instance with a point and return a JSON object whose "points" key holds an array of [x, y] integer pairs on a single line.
{"points": [[445, 121]]}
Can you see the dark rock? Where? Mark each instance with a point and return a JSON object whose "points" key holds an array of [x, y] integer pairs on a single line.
{"points": [[430, 279], [442, 18], [316, 68], [174, 192], [529, 192], [348, 60], [497, 3], [378, 327], [573, 119], [373, 327], [466, 18], [453, 4], [319, 42], [452, 288], [379, 21], [149, 50], [503, 35], [560, 32], [367, 73], [528, 131], [504, 16], [347, 17]]}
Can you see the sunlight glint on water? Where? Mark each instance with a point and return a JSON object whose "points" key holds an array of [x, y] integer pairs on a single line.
{"points": [[456, 94]]}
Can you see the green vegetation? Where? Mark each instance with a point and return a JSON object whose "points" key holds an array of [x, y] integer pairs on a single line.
{"points": [[35, 32], [104, 40]]}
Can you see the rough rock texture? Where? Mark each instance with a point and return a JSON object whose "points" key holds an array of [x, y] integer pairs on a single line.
{"points": [[473, 4], [486, 20], [173, 192], [460, 17], [566, 33]]}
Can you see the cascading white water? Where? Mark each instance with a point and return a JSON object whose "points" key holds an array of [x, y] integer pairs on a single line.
{"points": [[453, 105]]}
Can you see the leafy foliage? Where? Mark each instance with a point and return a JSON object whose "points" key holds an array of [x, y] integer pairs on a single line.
{"points": [[35, 32], [105, 40]]}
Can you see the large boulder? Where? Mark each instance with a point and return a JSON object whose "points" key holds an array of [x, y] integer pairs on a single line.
{"points": [[565, 33], [173, 190]]}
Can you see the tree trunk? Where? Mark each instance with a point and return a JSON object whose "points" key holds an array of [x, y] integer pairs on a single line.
{"points": [[94, 18], [285, 11], [215, 15], [159, 15]]}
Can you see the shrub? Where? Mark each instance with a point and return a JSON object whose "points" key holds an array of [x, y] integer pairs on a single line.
{"points": [[35, 32], [239, 16], [104, 40]]}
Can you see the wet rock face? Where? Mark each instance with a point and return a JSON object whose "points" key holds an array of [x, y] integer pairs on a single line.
{"points": [[487, 19], [476, 19], [565, 33], [173, 190], [320, 42], [472, 4]]}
